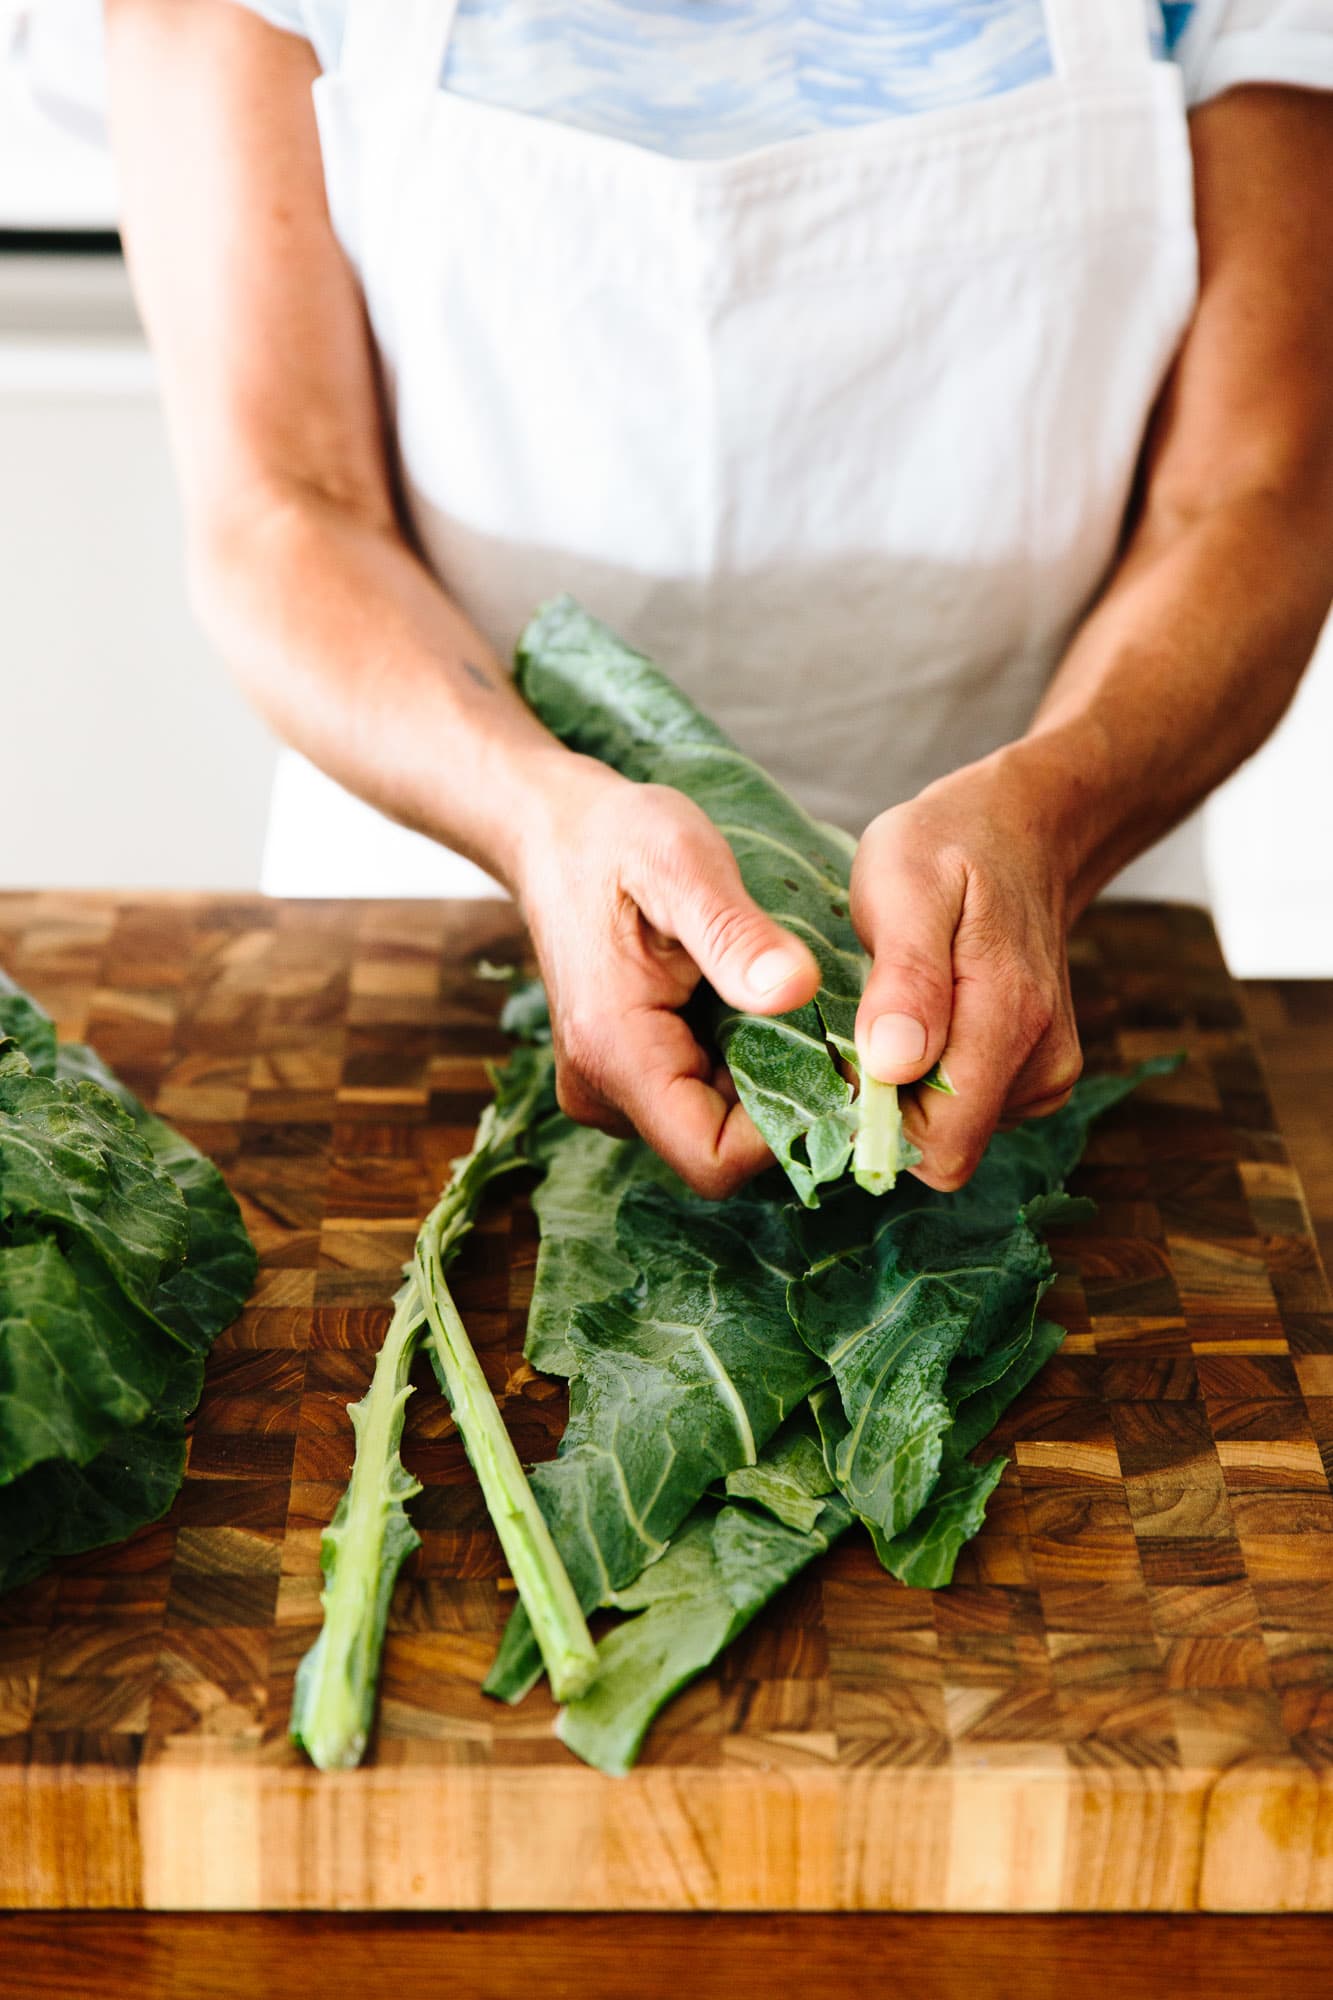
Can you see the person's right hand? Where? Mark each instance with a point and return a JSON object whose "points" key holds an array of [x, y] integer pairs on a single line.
{"points": [[632, 896]]}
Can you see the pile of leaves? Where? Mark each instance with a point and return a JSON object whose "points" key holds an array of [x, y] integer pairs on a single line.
{"points": [[122, 1257], [746, 1378]]}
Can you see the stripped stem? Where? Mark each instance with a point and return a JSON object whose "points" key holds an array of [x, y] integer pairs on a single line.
{"points": [[882, 1148], [370, 1536], [361, 1553]]}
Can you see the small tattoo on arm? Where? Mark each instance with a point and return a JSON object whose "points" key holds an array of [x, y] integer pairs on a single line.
{"points": [[479, 675]]}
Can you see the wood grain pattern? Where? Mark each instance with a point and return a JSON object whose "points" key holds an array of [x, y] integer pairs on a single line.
{"points": [[1124, 1702], [1292, 1023], [130, 1956]]}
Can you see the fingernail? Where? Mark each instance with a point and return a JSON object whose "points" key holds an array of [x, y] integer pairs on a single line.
{"points": [[770, 970], [896, 1042]]}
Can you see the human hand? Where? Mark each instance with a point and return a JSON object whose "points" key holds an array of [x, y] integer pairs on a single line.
{"points": [[632, 896], [960, 899]]}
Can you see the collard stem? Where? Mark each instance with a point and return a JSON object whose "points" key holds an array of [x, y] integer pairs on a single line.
{"points": [[370, 1535], [882, 1148], [539, 1574], [362, 1551], [523, 1090]]}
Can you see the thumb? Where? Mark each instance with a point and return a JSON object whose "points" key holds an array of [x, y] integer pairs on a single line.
{"points": [[902, 1023], [747, 958]]}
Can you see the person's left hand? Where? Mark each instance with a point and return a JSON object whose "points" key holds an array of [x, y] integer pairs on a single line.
{"points": [[961, 901]]}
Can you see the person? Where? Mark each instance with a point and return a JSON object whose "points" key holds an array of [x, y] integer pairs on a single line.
{"points": [[942, 394]]}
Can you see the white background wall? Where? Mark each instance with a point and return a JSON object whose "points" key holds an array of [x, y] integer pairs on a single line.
{"points": [[1270, 842], [130, 760]]}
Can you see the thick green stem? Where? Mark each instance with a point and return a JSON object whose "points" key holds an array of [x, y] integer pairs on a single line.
{"points": [[882, 1148], [370, 1536], [539, 1574], [362, 1551]]}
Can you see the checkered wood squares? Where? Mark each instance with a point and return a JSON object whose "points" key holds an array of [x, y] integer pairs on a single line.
{"points": [[1151, 1598]]}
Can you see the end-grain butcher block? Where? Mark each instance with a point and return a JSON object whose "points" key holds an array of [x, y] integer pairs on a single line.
{"points": [[1124, 1700]]}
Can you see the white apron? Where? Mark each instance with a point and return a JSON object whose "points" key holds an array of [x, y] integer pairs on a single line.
{"points": [[840, 431]]}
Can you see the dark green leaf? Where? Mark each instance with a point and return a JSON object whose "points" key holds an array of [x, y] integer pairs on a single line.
{"points": [[121, 1255], [981, 1389], [791, 1476], [525, 1014], [71, 1159], [60, 1509], [923, 1307], [924, 1554], [27, 1024], [889, 1320], [576, 1203], [205, 1293], [722, 1567], [607, 701], [79, 1361], [680, 1379]]}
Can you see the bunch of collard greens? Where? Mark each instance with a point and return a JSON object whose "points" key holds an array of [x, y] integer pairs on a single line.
{"points": [[122, 1256], [746, 1378]]}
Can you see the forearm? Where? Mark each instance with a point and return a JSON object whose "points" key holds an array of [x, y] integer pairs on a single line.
{"points": [[355, 655], [963, 894], [270, 386], [1178, 675], [1197, 644]]}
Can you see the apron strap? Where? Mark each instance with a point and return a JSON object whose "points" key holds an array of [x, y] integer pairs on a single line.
{"points": [[1092, 35], [397, 44]]}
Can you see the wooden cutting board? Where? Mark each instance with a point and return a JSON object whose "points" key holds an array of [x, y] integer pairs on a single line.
{"points": [[1125, 1701]]}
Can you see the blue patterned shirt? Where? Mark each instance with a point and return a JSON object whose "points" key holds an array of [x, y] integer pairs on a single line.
{"points": [[706, 78]]}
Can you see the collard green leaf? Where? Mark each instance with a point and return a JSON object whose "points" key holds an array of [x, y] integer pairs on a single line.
{"points": [[525, 1014], [79, 1361], [204, 1294], [722, 1567], [576, 1204], [790, 1477], [121, 1255], [923, 1306], [922, 1553], [889, 1320], [925, 1553], [978, 1391], [685, 1619], [607, 701], [60, 1508], [679, 1379], [26, 1024], [70, 1159]]}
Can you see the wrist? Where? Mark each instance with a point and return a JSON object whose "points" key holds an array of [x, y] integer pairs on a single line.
{"points": [[1073, 803], [1047, 796], [551, 793]]}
